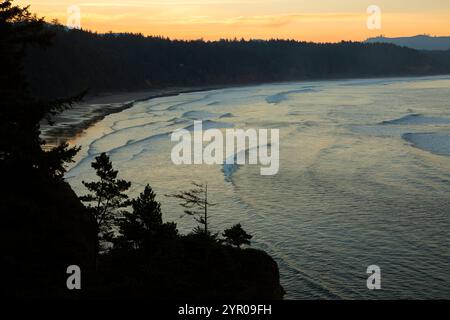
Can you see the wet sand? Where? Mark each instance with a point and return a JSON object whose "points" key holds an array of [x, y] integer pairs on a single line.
{"points": [[72, 122]]}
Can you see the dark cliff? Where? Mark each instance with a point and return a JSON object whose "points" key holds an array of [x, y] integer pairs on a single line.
{"points": [[45, 229], [189, 268]]}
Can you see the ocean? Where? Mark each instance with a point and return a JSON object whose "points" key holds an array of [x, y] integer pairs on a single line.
{"points": [[364, 178]]}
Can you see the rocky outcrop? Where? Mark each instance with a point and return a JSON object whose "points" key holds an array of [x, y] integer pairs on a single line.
{"points": [[189, 268], [44, 229]]}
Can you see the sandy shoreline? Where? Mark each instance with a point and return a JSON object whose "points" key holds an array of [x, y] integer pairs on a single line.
{"points": [[72, 122]]}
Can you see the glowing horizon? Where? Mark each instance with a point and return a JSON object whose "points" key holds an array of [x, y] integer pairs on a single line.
{"points": [[320, 21]]}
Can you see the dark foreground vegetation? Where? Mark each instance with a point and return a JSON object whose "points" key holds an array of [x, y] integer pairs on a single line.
{"points": [[119, 62], [122, 246]]}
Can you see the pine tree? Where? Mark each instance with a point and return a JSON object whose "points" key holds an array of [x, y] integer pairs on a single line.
{"points": [[236, 236], [42, 229], [107, 196], [144, 221], [143, 228], [20, 114], [195, 203]]}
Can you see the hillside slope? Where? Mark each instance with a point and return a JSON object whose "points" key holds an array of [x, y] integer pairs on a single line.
{"points": [[122, 62]]}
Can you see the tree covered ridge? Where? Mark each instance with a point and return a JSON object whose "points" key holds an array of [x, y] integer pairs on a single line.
{"points": [[119, 62]]}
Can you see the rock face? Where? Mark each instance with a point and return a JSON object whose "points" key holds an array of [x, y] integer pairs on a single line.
{"points": [[44, 229], [190, 268], [261, 277]]}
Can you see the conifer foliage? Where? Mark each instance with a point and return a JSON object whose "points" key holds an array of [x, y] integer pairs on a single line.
{"points": [[236, 236], [107, 195], [20, 113]]}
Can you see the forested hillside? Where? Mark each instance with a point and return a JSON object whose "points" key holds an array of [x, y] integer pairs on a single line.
{"points": [[120, 62], [420, 42]]}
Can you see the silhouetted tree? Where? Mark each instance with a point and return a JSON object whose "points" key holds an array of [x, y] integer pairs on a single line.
{"points": [[44, 227], [20, 113], [107, 195], [195, 203], [236, 236], [143, 228]]}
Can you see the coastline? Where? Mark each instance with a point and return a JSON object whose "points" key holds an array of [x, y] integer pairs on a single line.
{"points": [[72, 122]]}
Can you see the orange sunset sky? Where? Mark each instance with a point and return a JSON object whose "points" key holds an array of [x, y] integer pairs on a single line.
{"points": [[318, 20]]}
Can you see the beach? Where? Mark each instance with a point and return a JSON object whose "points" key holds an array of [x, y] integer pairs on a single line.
{"points": [[70, 123]]}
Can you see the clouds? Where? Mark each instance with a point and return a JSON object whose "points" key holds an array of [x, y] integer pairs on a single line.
{"points": [[269, 21], [324, 20], [276, 21], [142, 3]]}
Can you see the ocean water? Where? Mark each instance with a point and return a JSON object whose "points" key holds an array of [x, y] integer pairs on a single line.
{"points": [[364, 178]]}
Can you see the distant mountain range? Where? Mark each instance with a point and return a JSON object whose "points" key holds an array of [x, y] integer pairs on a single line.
{"points": [[420, 42]]}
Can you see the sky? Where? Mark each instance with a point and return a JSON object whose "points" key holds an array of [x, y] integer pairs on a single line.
{"points": [[316, 20]]}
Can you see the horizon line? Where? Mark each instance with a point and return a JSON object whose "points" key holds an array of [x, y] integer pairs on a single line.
{"points": [[56, 22]]}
